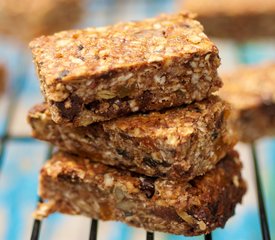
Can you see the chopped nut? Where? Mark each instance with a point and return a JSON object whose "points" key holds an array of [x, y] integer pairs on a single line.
{"points": [[236, 181], [69, 88], [115, 106], [125, 77], [195, 78], [172, 140], [44, 209], [194, 64], [126, 205], [119, 194], [186, 217], [208, 78], [68, 104], [194, 39], [63, 43], [77, 60], [160, 79], [105, 94], [155, 59], [108, 180], [207, 57], [202, 225], [157, 26]]}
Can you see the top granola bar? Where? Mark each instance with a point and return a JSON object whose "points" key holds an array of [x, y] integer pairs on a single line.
{"points": [[96, 74]]}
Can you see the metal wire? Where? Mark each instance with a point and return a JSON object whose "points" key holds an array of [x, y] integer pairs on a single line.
{"points": [[93, 232], [150, 236], [36, 230], [208, 236], [13, 99], [37, 223], [261, 204]]}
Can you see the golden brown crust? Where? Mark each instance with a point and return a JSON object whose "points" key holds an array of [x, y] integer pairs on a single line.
{"points": [[251, 91], [76, 186], [178, 143], [236, 19], [174, 35], [97, 74], [26, 19]]}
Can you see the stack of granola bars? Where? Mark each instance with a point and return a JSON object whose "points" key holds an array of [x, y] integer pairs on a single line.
{"points": [[142, 139]]}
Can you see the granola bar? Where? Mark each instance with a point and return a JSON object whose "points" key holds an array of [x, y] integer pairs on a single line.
{"points": [[241, 20], [182, 143], [27, 19], [76, 186], [251, 91], [98, 74]]}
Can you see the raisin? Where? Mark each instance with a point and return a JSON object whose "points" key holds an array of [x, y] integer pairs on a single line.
{"points": [[92, 105], [82, 58], [154, 163], [70, 113], [268, 109], [71, 178], [214, 134], [220, 121], [63, 74], [197, 109], [80, 47], [150, 162], [144, 99], [125, 136], [128, 214], [147, 186], [168, 213], [124, 153], [164, 33]]}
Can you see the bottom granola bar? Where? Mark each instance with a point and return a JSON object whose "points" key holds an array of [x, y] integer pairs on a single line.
{"points": [[74, 185]]}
